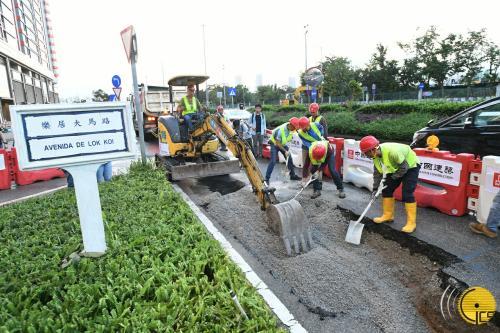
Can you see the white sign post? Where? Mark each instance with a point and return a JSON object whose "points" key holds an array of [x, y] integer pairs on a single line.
{"points": [[78, 138]]}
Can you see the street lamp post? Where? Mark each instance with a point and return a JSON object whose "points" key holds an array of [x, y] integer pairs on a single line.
{"points": [[223, 86], [305, 49], [305, 42], [205, 60]]}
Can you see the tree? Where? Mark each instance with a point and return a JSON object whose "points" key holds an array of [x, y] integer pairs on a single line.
{"points": [[243, 94], [99, 96], [269, 93], [471, 54], [355, 89], [381, 71], [492, 59], [410, 74], [434, 56], [338, 72]]}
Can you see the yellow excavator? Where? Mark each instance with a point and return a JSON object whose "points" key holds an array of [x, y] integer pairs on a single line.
{"points": [[294, 98], [187, 154]]}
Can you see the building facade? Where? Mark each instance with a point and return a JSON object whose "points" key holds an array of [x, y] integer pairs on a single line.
{"points": [[28, 68]]}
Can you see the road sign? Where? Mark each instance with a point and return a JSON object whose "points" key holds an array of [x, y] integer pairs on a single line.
{"points": [[421, 86], [117, 92], [78, 138], [116, 81], [314, 93], [232, 91], [112, 98], [219, 94], [127, 35]]}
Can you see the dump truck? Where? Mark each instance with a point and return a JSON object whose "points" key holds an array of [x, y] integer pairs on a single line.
{"points": [[156, 101], [194, 153]]}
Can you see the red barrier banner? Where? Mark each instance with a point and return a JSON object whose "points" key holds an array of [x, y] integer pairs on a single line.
{"points": [[4, 170], [29, 177], [443, 181], [338, 147]]}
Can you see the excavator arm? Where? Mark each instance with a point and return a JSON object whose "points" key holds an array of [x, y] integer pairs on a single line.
{"points": [[287, 219], [217, 125]]}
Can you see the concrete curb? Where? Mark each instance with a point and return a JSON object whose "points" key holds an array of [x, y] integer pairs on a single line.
{"points": [[274, 303]]}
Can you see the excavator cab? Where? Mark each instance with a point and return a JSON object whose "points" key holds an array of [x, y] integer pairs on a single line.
{"points": [[183, 154]]}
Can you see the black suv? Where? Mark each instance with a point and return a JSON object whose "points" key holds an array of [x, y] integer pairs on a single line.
{"points": [[475, 130]]}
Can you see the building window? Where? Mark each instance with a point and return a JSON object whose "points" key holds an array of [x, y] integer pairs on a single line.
{"points": [[4, 81], [16, 76]]}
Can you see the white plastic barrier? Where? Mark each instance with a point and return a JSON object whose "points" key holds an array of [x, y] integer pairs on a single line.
{"points": [[358, 169], [295, 148], [489, 186]]}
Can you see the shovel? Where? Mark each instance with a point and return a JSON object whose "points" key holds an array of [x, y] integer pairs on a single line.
{"points": [[355, 229], [286, 172], [313, 178]]}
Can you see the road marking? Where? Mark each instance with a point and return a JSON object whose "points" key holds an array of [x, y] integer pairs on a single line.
{"points": [[271, 299], [32, 196]]}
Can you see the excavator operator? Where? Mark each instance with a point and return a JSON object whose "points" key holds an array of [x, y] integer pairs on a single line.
{"points": [[189, 108]]}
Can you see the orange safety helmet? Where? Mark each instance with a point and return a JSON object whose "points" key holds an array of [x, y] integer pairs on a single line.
{"points": [[368, 143], [303, 123], [314, 108], [319, 152], [294, 121]]}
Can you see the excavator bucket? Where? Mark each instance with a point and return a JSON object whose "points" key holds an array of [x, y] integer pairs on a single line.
{"points": [[287, 219]]}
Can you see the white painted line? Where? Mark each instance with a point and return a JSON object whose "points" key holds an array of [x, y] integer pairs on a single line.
{"points": [[278, 308], [32, 196]]}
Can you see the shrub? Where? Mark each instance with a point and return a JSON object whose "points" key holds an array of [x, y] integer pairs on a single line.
{"points": [[399, 128], [162, 271], [438, 108]]}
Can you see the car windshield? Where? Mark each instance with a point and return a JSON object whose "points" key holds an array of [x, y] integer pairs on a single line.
{"points": [[489, 116]]}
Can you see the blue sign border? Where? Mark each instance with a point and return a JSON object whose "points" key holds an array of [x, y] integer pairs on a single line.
{"points": [[27, 138]]}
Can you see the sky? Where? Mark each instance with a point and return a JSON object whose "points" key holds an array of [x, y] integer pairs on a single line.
{"points": [[243, 39]]}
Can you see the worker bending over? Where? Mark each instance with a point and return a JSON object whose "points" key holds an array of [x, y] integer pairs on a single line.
{"points": [[321, 155], [279, 138], [401, 165], [309, 132]]}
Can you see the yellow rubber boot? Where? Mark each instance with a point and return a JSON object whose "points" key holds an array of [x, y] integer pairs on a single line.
{"points": [[388, 211], [411, 217]]}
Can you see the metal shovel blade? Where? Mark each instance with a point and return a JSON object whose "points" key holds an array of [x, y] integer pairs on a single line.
{"points": [[288, 220], [354, 232]]}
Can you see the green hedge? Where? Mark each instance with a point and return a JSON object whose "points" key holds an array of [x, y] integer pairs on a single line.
{"points": [[162, 271], [304, 108], [402, 118], [400, 128], [437, 108]]}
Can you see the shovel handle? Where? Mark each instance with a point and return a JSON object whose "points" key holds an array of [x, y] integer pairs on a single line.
{"points": [[372, 200]]}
